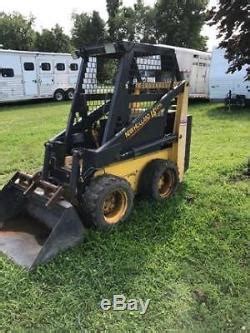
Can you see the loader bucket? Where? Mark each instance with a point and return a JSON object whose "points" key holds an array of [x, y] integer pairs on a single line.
{"points": [[30, 232]]}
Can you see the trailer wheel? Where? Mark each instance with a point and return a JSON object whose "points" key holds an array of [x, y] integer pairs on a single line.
{"points": [[107, 201], [59, 95], [159, 180], [70, 94]]}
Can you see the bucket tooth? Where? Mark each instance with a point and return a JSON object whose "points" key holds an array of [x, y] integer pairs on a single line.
{"points": [[32, 233]]}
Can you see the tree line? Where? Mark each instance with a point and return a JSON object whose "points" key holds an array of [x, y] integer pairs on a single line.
{"points": [[175, 22]]}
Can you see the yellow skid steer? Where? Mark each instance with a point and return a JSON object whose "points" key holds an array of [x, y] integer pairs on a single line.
{"points": [[128, 133]]}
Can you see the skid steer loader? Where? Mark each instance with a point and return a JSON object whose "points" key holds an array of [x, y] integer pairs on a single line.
{"points": [[128, 133]]}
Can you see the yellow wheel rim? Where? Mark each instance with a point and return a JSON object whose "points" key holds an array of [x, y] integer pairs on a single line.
{"points": [[115, 206], [165, 184]]}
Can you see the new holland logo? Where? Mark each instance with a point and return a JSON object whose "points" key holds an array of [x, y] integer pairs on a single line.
{"points": [[143, 121]]}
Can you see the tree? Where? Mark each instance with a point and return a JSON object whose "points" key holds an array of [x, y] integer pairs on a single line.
{"points": [[135, 23], [179, 23], [145, 23], [97, 27], [16, 31], [124, 24], [54, 40], [113, 7], [233, 24], [176, 22], [87, 29]]}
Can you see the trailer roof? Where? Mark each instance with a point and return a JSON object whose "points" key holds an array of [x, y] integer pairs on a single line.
{"points": [[151, 47], [185, 49], [33, 52]]}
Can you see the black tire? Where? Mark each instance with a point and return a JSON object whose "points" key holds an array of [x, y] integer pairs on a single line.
{"points": [[159, 180], [70, 94], [109, 193], [59, 95]]}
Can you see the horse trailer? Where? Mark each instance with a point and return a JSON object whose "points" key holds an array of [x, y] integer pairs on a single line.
{"points": [[28, 75], [194, 66], [223, 85]]}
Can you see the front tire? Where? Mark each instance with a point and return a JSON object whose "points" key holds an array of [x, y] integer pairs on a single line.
{"points": [[59, 95], [159, 180], [107, 201]]}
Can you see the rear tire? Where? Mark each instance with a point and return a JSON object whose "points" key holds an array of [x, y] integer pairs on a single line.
{"points": [[159, 180], [70, 94], [59, 95], [107, 201]]}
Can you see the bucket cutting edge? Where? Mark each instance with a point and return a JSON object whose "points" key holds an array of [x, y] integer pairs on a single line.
{"points": [[32, 233]]}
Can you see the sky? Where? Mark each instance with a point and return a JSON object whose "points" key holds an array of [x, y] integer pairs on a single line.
{"points": [[50, 12]]}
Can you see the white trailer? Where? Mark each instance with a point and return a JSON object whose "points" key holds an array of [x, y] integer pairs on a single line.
{"points": [[33, 75], [195, 66], [28, 75], [221, 82]]}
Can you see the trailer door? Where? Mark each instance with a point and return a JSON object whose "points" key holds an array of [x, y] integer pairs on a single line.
{"points": [[202, 78], [29, 76], [46, 76]]}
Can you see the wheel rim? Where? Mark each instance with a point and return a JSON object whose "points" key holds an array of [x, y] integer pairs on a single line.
{"points": [[166, 184], [115, 206], [59, 96]]}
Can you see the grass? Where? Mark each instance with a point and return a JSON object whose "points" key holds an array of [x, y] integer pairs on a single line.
{"points": [[188, 255]]}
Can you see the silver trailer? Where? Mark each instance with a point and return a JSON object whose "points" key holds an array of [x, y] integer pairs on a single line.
{"points": [[195, 67], [34, 75], [223, 84], [28, 75]]}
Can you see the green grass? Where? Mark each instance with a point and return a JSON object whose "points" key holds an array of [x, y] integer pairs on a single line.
{"points": [[188, 255]]}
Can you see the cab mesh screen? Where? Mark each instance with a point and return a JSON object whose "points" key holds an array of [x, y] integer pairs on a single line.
{"points": [[145, 76]]}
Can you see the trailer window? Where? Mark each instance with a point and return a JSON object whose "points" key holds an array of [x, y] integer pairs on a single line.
{"points": [[46, 66], [60, 67], [73, 67], [29, 66], [7, 72]]}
